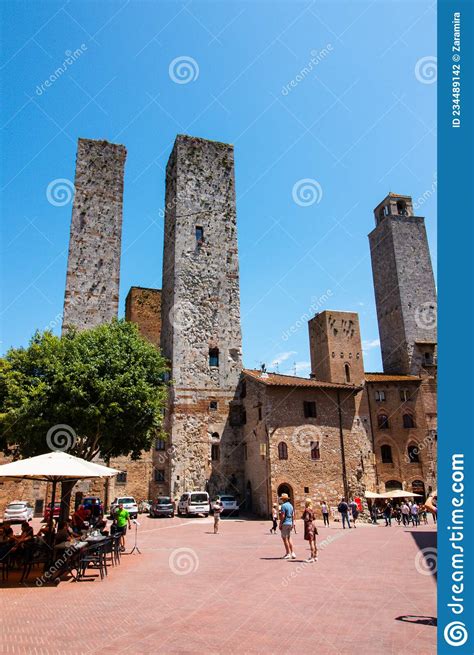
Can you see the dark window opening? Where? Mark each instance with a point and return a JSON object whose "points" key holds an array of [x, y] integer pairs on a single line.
{"points": [[199, 235], [213, 405], [159, 475], [214, 357], [386, 452], [306, 490], [259, 413], [282, 450], [121, 477], [243, 389], [413, 454], [404, 395], [160, 444], [315, 452], [408, 421], [380, 396], [382, 422], [309, 409], [215, 452], [347, 371], [402, 208]]}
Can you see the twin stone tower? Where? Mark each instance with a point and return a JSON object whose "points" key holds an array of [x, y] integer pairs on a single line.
{"points": [[196, 317]]}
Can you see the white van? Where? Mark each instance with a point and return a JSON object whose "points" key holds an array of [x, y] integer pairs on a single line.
{"points": [[192, 503]]}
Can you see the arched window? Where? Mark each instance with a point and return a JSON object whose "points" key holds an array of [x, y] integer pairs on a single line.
{"points": [[402, 208], [386, 452], [282, 450], [390, 485], [413, 453], [382, 422], [408, 421], [214, 357], [347, 371]]}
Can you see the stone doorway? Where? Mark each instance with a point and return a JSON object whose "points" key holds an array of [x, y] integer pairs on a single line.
{"points": [[286, 489]]}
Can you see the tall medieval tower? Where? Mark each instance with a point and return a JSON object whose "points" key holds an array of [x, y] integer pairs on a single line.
{"points": [[201, 334], [93, 268], [404, 287]]}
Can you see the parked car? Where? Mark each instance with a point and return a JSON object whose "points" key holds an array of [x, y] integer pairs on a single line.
{"points": [[144, 506], [163, 506], [193, 503], [229, 504], [88, 501], [56, 511], [18, 511], [129, 503]]}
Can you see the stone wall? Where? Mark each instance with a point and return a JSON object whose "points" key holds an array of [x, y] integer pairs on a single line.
{"points": [[143, 307], [93, 269]]}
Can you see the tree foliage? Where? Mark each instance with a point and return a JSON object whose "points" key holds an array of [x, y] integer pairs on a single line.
{"points": [[106, 385]]}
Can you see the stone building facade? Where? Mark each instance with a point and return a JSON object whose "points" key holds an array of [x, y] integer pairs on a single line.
{"points": [[93, 268], [254, 434]]}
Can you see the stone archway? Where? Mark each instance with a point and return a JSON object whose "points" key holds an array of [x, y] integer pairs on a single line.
{"points": [[286, 488]]}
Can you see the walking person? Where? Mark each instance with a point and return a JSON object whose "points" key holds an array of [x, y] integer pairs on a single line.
{"points": [[374, 513], [310, 530], [287, 523], [354, 511], [405, 514], [387, 514], [414, 515], [325, 511], [217, 509], [343, 509], [273, 529]]}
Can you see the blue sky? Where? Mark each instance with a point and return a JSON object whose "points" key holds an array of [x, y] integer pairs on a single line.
{"points": [[358, 124]]}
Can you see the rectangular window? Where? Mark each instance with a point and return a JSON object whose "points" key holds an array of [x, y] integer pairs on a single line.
{"points": [[380, 396], [199, 234], [309, 409], [259, 413], [121, 477], [315, 452], [213, 405], [160, 444], [214, 357], [306, 490], [215, 452], [159, 475], [404, 395]]}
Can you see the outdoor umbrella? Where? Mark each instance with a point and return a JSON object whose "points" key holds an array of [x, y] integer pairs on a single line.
{"points": [[55, 467], [373, 494], [399, 493]]}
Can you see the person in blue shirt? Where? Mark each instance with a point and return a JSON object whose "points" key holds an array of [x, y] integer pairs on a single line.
{"points": [[287, 523]]}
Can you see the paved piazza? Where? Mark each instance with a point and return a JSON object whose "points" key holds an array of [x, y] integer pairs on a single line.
{"points": [[191, 591]]}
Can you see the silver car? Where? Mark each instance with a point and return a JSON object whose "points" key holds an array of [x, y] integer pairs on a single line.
{"points": [[18, 511]]}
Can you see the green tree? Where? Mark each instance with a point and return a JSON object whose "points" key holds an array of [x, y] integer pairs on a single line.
{"points": [[105, 386]]}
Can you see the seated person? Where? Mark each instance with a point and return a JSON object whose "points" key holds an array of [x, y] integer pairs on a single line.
{"points": [[79, 519], [6, 533], [26, 533], [64, 532], [101, 526]]}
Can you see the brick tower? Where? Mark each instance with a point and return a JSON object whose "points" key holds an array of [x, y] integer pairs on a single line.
{"points": [[201, 333], [335, 347], [93, 268], [404, 287]]}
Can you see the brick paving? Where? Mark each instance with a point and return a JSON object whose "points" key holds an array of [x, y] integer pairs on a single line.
{"points": [[191, 591]]}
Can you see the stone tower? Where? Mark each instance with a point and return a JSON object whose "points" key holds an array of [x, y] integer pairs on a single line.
{"points": [[404, 284], [93, 268], [201, 333], [335, 347]]}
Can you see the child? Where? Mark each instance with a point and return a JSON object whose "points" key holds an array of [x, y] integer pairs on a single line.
{"points": [[217, 515]]}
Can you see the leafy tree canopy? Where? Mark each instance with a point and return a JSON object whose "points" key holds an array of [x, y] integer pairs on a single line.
{"points": [[100, 391]]}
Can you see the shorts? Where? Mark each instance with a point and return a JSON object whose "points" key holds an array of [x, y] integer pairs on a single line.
{"points": [[286, 531], [121, 530]]}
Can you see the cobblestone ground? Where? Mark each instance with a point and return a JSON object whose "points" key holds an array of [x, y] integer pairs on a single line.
{"points": [[190, 591]]}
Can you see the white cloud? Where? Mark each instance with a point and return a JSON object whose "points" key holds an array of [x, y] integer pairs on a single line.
{"points": [[301, 369], [370, 344], [282, 357]]}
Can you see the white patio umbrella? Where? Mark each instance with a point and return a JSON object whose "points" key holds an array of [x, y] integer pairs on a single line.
{"points": [[55, 467], [373, 494], [399, 493]]}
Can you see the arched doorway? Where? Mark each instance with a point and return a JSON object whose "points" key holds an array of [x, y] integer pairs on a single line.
{"points": [[418, 487], [390, 485], [285, 489]]}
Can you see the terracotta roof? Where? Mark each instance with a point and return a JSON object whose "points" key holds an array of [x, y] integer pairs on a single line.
{"points": [[278, 380], [382, 377]]}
